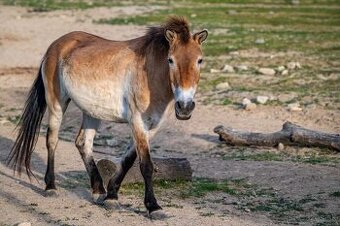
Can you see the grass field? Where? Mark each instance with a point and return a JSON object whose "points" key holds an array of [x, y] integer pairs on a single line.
{"points": [[256, 33]]}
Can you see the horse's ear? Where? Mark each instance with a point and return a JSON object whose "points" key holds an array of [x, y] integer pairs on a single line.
{"points": [[201, 36], [171, 36]]}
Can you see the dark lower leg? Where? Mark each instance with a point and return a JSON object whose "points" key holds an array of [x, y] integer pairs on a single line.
{"points": [[84, 144], [146, 167], [116, 180], [51, 144], [95, 178]]}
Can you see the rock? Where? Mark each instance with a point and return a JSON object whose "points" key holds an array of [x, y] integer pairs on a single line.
{"points": [[294, 107], [24, 224], [223, 86], [295, 2], [266, 71], [286, 97], [284, 72], [293, 65], [262, 99], [250, 107], [232, 12], [227, 68], [234, 53], [311, 106], [247, 210], [214, 70], [280, 147], [245, 101], [272, 98], [259, 41], [280, 68], [242, 67]]}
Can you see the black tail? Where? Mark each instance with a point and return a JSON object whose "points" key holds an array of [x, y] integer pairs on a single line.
{"points": [[29, 123]]}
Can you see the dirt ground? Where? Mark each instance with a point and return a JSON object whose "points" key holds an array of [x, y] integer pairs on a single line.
{"points": [[26, 35]]}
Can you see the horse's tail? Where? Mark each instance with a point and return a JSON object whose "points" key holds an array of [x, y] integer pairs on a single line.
{"points": [[29, 124]]}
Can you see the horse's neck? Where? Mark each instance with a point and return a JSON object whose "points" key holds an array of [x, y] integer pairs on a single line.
{"points": [[159, 81]]}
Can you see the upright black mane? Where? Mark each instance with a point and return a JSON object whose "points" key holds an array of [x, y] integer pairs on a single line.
{"points": [[155, 36]]}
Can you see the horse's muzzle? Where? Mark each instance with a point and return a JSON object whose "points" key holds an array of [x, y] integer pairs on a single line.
{"points": [[184, 110]]}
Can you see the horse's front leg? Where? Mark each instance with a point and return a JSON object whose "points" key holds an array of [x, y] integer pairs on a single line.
{"points": [[141, 141]]}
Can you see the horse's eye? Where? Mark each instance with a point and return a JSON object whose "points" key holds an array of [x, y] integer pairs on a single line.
{"points": [[170, 60], [200, 61]]}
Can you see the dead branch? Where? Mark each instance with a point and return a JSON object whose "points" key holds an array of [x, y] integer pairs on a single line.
{"points": [[290, 134]]}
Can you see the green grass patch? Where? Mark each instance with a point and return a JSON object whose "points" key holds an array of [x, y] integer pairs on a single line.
{"points": [[283, 28], [242, 155], [335, 194], [49, 5], [198, 187], [14, 119]]}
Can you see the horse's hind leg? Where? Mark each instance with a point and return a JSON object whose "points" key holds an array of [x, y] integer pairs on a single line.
{"points": [[56, 112], [84, 143], [126, 164]]}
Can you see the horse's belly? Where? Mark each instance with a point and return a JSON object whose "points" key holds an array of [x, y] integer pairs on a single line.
{"points": [[102, 99]]}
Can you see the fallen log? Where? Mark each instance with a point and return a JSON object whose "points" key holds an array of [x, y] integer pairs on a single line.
{"points": [[165, 169], [290, 134]]}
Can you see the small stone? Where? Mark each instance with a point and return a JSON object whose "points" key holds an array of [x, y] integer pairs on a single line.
{"points": [[262, 99], [245, 101], [259, 41], [295, 2], [227, 68], [311, 106], [234, 53], [272, 98], [280, 68], [223, 86], [232, 12], [250, 107], [266, 71], [293, 65], [280, 147], [242, 67], [193, 15], [214, 70], [284, 72], [24, 224], [247, 210], [286, 97], [294, 107]]}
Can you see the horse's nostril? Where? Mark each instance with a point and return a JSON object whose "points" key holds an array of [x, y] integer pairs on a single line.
{"points": [[178, 105], [192, 106]]}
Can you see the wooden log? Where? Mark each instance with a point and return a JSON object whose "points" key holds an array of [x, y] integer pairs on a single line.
{"points": [[290, 134], [165, 169]]}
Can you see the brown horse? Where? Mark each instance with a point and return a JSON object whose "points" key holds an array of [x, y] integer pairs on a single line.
{"points": [[134, 81]]}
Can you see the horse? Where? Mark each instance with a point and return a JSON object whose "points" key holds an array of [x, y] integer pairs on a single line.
{"points": [[137, 81]]}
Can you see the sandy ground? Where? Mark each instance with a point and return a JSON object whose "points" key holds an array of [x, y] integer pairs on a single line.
{"points": [[25, 36]]}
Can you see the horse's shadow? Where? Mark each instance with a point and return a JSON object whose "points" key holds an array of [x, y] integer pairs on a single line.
{"points": [[76, 181], [207, 137]]}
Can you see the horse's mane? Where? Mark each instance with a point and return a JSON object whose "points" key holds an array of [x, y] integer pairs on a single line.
{"points": [[155, 36]]}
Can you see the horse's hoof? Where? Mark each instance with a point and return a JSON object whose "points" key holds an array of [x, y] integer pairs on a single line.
{"points": [[98, 198], [158, 215], [152, 207], [111, 204], [51, 193]]}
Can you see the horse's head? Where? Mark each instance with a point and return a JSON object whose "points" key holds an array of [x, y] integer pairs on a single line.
{"points": [[185, 59]]}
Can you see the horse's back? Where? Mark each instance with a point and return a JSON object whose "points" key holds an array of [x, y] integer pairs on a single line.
{"points": [[93, 72]]}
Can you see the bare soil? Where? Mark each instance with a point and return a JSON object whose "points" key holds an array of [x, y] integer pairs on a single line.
{"points": [[25, 36]]}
